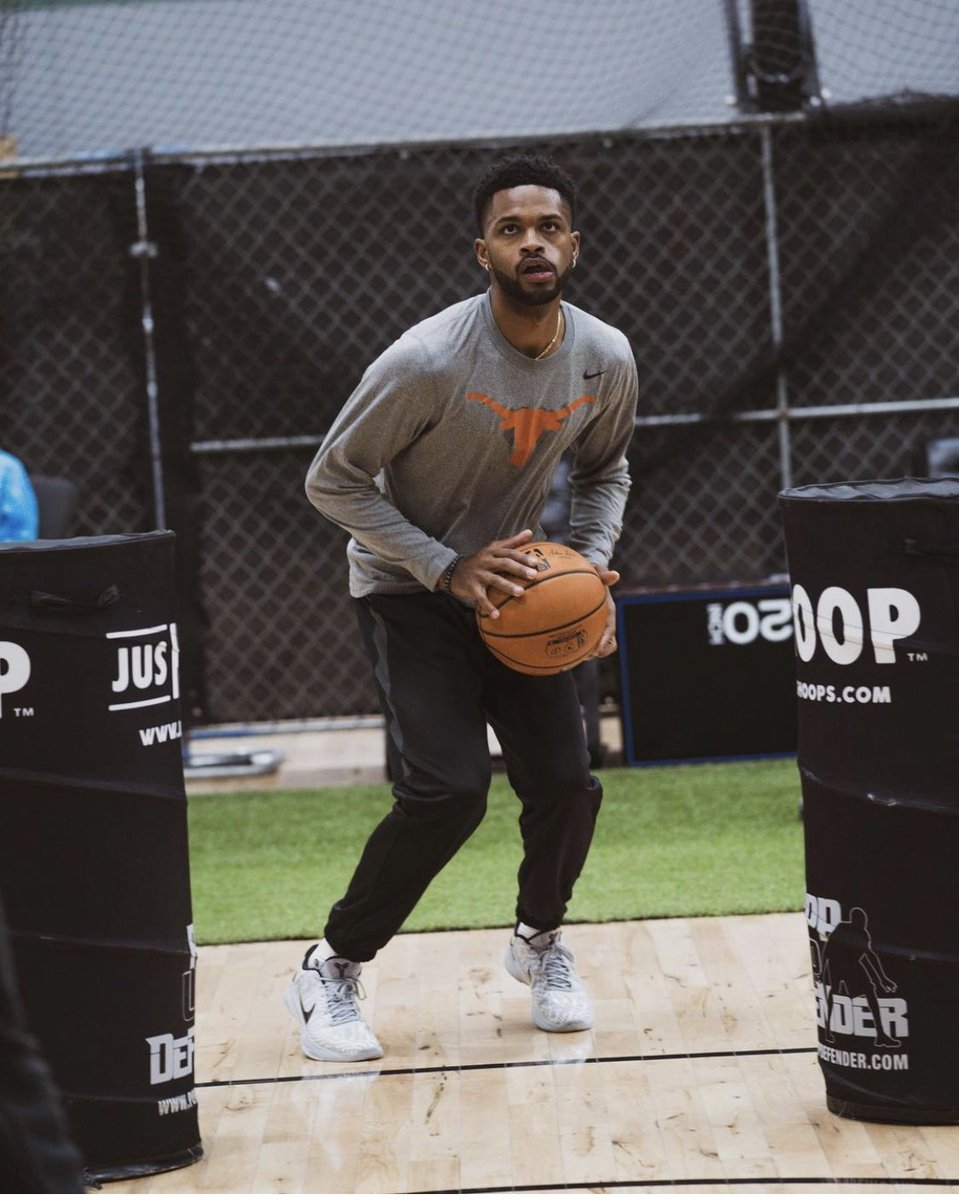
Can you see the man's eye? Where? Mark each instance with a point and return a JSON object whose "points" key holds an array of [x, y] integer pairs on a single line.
{"points": [[508, 229]]}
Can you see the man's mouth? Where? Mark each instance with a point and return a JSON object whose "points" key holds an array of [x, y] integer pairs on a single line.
{"points": [[536, 270]]}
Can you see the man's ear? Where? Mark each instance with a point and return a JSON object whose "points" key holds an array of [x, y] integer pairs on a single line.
{"points": [[479, 246]]}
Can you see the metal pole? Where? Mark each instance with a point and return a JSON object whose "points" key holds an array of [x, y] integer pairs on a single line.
{"points": [[775, 308], [143, 249], [737, 56]]}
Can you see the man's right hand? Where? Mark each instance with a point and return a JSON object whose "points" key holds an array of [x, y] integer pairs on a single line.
{"points": [[496, 566]]}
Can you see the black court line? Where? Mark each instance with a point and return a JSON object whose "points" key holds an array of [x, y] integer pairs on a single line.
{"points": [[597, 1184], [725, 1181], [373, 1073]]}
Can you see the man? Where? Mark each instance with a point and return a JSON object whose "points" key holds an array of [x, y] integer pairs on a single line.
{"points": [[439, 465]]}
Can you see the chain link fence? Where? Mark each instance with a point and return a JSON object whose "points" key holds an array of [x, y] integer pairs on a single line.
{"points": [[70, 385], [784, 282]]}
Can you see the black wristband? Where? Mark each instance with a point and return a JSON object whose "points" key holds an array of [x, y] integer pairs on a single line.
{"points": [[447, 581]]}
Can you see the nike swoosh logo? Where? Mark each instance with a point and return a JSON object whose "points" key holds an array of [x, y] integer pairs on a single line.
{"points": [[306, 1015], [593, 374]]}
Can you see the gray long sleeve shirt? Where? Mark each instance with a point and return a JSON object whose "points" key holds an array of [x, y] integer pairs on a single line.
{"points": [[452, 437]]}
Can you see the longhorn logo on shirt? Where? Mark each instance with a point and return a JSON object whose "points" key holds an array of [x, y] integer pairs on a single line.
{"points": [[528, 424]]}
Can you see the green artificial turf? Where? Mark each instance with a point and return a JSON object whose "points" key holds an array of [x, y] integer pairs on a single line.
{"points": [[705, 839]]}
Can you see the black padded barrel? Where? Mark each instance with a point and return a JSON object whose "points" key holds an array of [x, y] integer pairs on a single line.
{"points": [[875, 584], [94, 869]]}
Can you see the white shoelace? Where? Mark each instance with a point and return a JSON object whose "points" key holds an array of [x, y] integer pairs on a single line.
{"points": [[555, 965], [341, 997]]}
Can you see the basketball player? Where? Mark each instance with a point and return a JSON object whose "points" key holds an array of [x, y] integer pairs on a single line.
{"points": [[439, 466]]}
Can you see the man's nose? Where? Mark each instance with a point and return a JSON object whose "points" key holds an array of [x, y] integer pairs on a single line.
{"points": [[532, 242]]}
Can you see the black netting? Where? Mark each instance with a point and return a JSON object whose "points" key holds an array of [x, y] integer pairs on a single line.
{"points": [[703, 506], [674, 254], [283, 640], [71, 388], [829, 450], [303, 270], [869, 251], [357, 248]]}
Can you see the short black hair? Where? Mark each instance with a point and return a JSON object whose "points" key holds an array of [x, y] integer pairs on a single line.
{"points": [[518, 171]]}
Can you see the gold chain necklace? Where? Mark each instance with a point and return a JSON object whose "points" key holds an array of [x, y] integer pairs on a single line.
{"points": [[552, 343]]}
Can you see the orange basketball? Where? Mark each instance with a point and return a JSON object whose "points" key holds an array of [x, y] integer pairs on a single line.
{"points": [[558, 620]]}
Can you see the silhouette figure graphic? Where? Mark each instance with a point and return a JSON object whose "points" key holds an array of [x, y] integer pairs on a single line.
{"points": [[848, 966]]}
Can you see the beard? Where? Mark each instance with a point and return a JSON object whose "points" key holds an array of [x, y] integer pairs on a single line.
{"points": [[513, 287]]}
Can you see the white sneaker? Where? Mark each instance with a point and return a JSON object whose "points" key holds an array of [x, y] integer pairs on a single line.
{"points": [[322, 1000], [559, 1001]]}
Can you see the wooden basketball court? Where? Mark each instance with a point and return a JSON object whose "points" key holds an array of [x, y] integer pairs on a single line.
{"points": [[700, 1075]]}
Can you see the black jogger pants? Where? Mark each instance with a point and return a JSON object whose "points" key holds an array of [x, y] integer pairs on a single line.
{"points": [[439, 687]]}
